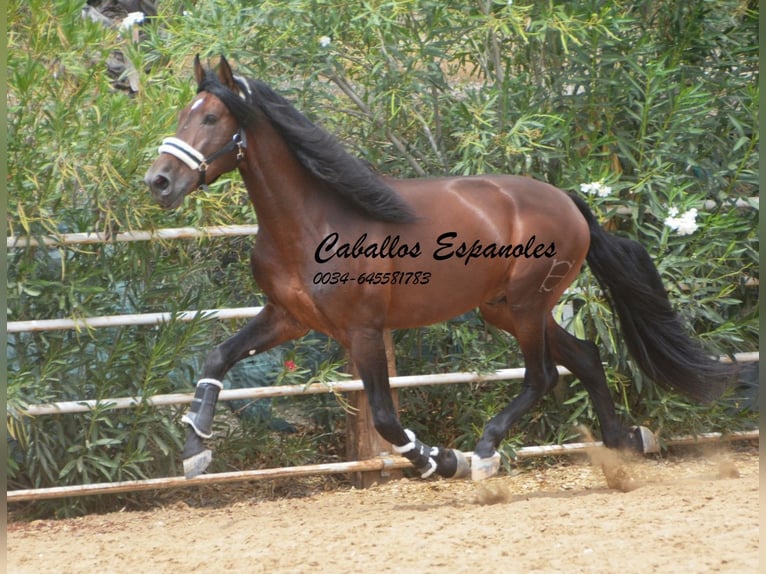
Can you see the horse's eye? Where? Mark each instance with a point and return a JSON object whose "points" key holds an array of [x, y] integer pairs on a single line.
{"points": [[209, 119]]}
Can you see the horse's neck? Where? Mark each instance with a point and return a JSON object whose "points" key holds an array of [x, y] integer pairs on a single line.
{"points": [[285, 197]]}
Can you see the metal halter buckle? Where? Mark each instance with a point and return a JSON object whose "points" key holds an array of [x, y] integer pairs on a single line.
{"points": [[240, 146]]}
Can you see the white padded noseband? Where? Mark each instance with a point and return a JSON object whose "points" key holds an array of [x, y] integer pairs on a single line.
{"points": [[183, 151]]}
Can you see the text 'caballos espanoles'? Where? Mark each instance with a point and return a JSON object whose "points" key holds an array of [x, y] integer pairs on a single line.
{"points": [[446, 246]]}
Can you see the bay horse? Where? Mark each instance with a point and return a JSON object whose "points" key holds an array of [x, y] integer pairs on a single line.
{"points": [[347, 252]]}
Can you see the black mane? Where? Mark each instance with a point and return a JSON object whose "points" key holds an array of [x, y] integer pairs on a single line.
{"points": [[317, 150]]}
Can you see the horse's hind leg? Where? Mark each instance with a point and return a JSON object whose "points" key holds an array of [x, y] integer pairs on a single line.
{"points": [[367, 351], [583, 360], [539, 377], [269, 328]]}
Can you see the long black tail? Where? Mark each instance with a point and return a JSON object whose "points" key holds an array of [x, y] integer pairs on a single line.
{"points": [[652, 331]]}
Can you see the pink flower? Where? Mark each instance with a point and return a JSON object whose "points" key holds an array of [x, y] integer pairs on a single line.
{"points": [[290, 365]]}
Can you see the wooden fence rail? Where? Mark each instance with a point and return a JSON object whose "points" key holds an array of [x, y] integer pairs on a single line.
{"points": [[381, 465], [124, 320], [255, 393], [14, 242]]}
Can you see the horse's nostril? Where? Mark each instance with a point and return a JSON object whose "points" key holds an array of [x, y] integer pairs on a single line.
{"points": [[160, 183]]}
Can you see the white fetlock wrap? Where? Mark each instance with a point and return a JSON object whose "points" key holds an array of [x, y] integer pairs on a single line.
{"points": [[482, 468], [215, 382], [189, 419], [202, 409], [405, 448], [431, 468]]}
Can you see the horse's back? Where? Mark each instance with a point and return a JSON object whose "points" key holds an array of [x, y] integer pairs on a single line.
{"points": [[521, 205], [525, 192]]}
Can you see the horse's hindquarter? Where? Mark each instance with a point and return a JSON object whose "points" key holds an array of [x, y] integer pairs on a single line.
{"points": [[546, 213]]}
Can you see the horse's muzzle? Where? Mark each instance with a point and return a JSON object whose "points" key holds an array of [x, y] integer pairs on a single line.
{"points": [[163, 189]]}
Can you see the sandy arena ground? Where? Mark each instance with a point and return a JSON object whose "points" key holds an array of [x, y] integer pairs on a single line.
{"points": [[687, 513]]}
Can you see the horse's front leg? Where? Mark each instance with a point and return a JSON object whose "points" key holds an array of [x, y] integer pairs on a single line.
{"points": [[269, 328], [367, 350]]}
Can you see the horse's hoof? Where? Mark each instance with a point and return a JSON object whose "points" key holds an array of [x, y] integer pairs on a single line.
{"points": [[196, 464], [463, 468], [482, 468], [649, 442]]}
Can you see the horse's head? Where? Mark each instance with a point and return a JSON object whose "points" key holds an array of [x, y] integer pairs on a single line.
{"points": [[208, 142]]}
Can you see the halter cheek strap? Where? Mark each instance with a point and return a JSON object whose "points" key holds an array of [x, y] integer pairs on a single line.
{"points": [[195, 160]]}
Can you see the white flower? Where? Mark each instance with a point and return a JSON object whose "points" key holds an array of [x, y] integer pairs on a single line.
{"points": [[325, 41], [131, 20], [685, 224], [596, 188]]}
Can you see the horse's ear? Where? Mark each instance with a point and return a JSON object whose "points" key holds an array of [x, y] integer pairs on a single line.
{"points": [[226, 75], [199, 73]]}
